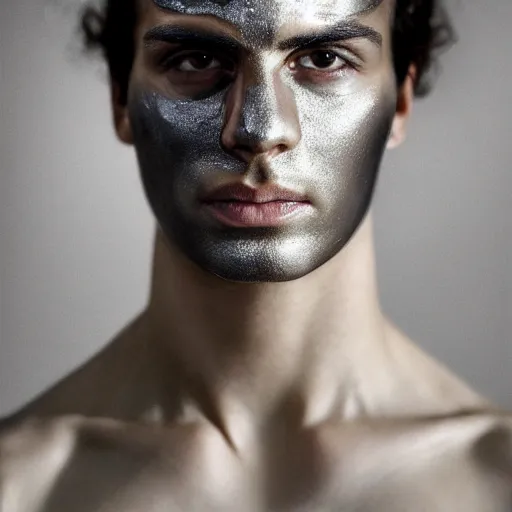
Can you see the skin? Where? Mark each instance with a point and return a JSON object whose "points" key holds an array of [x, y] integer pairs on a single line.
{"points": [[265, 114], [271, 396]]}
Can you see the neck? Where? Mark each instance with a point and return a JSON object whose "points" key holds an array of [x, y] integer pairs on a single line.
{"points": [[250, 350]]}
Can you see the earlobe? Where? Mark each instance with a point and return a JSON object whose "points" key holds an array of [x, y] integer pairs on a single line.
{"points": [[403, 110], [121, 118]]}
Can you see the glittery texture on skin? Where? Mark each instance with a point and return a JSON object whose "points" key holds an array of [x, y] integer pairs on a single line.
{"points": [[257, 18], [339, 133], [227, 8], [261, 118]]}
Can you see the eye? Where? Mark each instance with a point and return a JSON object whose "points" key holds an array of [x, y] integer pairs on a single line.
{"points": [[195, 62], [196, 73], [322, 60]]}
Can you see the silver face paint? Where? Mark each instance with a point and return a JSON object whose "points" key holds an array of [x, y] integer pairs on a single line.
{"points": [[236, 10], [336, 135], [256, 19]]}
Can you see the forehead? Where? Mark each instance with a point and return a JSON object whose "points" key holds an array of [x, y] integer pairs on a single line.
{"points": [[229, 8], [270, 15]]}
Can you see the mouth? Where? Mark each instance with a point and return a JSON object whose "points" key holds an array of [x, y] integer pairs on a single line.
{"points": [[241, 206]]}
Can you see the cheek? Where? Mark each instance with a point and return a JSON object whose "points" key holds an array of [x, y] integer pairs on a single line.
{"points": [[348, 129], [178, 148], [344, 138], [182, 124], [177, 135]]}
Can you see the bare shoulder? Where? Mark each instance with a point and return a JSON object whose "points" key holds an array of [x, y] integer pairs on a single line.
{"points": [[88, 464], [458, 462], [30, 439], [51, 442], [444, 463], [468, 457], [32, 453]]}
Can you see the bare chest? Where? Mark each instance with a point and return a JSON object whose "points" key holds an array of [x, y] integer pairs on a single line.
{"points": [[361, 468]]}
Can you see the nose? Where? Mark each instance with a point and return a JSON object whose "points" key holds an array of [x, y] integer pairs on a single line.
{"points": [[261, 120]]}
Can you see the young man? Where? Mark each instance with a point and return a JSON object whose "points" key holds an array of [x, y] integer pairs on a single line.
{"points": [[263, 375]]}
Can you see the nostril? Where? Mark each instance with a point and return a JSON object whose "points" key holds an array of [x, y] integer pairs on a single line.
{"points": [[278, 149]]}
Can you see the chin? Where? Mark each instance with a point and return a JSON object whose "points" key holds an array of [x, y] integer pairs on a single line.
{"points": [[260, 275], [269, 255], [252, 263]]}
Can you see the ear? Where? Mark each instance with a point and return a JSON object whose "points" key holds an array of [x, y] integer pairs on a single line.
{"points": [[403, 110], [120, 112]]}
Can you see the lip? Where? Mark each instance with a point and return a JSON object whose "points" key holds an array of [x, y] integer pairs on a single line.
{"points": [[238, 205], [243, 193]]}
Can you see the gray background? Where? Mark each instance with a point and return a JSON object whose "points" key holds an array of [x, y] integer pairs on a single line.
{"points": [[76, 234]]}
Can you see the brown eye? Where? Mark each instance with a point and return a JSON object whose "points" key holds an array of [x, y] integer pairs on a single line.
{"points": [[197, 62], [322, 60], [197, 73]]}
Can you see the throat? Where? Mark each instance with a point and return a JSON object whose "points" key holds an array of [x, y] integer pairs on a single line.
{"points": [[247, 355]]}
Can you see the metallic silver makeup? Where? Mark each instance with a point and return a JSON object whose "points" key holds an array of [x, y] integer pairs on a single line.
{"points": [[232, 10], [256, 18], [324, 140]]}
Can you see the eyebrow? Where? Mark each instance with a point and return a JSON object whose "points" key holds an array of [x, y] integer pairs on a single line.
{"points": [[176, 34], [344, 30]]}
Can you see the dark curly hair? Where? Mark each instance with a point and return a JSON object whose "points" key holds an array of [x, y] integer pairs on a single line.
{"points": [[421, 29]]}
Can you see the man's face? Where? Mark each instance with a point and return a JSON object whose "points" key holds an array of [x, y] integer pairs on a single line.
{"points": [[260, 126]]}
